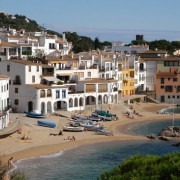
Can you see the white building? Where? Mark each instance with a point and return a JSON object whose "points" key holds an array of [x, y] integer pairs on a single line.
{"points": [[128, 49], [4, 101], [21, 44]]}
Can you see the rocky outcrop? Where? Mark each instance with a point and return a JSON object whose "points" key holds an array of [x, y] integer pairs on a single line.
{"points": [[170, 131]]}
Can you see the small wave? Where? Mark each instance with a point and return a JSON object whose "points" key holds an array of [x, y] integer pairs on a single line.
{"points": [[52, 155]]}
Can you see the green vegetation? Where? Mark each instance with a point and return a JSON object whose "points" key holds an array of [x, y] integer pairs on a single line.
{"points": [[83, 43], [162, 44], [140, 167]]}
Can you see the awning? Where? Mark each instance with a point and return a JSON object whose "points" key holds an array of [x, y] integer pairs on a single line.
{"points": [[51, 78]]}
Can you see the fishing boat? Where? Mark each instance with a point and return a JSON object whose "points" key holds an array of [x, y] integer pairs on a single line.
{"points": [[105, 113], [46, 124], [73, 129], [91, 126], [35, 115], [103, 118], [104, 132]]}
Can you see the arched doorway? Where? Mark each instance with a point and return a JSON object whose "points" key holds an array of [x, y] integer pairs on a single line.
{"points": [[70, 102], [105, 99], [81, 102], [43, 108], [76, 102], [90, 100], [30, 106], [49, 107], [100, 99]]}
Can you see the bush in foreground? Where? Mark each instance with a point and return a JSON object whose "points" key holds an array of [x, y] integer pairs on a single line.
{"points": [[139, 167]]}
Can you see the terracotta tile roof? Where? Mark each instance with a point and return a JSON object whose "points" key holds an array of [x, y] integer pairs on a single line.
{"points": [[165, 74], [44, 86], [153, 52], [3, 76], [98, 80], [168, 58], [25, 62], [7, 44]]}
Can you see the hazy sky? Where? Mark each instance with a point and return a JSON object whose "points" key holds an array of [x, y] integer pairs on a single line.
{"points": [[110, 20]]}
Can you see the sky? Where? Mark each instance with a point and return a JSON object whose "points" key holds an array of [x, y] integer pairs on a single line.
{"points": [[109, 20]]}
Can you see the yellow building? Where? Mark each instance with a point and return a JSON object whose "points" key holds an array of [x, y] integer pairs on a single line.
{"points": [[128, 87]]}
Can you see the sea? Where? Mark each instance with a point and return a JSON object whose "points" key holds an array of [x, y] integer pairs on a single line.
{"points": [[87, 162]]}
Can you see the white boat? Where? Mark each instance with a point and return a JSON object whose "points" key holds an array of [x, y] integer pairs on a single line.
{"points": [[73, 129]]}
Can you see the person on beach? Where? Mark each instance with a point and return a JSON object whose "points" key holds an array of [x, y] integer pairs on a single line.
{"points": [[10, 163]]}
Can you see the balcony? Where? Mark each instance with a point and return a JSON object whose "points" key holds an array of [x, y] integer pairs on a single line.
{"points": [[4, 111]]}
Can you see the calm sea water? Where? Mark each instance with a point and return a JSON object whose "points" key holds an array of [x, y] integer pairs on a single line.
{"points": [[88, 162]]}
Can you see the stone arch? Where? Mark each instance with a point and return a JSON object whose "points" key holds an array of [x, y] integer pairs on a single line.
{"points": [[90, 100], [43, 108], [76, 102], [70, 102], [100, 99], [81, 103], [105, 99], [49, 107], [30, 106]]}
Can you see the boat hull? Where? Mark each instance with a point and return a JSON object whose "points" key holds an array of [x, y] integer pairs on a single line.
{"points": [[73, 129], [34, 115], [46, 124]]}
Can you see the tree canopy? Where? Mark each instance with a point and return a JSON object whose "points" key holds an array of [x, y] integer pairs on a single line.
{"points": [[139, 167]]}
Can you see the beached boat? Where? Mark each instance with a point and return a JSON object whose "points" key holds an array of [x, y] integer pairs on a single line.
{"points": [[35, 115], [163, 138], [105, 113], [103, 118], [46, 124], [91, 126], [104, 132], [73, 129]]}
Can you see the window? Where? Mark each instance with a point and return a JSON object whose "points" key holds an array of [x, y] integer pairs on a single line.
{"points": [[89, 74], [51, 46], [8, 68], [169, 79], [16, 90], [162, 99], [57, 94], [16, 101], [162, 87], [33, 79], [162, 80], [169, 97], [29, 68], [63, 93], [168, 88], [7, 87], [174, 79], [37, 68], [177, 97], [173, 97], [178, 88]]}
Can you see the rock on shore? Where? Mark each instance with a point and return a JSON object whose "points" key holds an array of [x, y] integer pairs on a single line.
{"points": [[170, 131]]}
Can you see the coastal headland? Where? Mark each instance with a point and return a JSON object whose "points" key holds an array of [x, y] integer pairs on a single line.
{"points": [[40, 141]]}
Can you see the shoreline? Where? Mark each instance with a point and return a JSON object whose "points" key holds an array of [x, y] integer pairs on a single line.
{"points": [[118, 127]]}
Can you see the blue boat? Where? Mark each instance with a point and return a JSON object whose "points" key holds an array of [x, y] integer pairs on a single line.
{"points": [[34, 115], [46, 124]]}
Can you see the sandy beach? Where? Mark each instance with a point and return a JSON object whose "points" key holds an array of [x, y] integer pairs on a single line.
{"points": [[41, 143]]}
